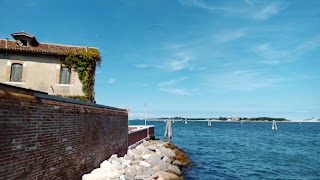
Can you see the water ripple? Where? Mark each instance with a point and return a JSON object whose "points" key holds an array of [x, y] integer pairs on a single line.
{"points": [[248, 150]]}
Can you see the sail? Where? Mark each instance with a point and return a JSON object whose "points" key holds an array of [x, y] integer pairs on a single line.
{"points": [[274, 125]]}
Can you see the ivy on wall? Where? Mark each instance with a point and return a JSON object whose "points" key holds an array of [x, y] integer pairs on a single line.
{"points": [[84, 62]]}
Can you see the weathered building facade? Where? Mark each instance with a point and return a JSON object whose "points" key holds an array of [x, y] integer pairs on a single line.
{"points": [[27, 63]]}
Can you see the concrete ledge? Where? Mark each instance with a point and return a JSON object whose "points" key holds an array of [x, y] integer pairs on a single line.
{"points": [[139, 128]]}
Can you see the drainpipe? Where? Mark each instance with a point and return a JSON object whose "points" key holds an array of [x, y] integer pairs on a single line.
{"points": [[7, 39], [6, 53]]}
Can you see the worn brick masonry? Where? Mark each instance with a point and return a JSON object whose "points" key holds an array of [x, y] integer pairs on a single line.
{"points": [[50, 139]]}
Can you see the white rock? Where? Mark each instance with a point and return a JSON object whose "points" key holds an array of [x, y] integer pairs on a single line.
{"points": [[158, 151], [121, 166], [145, 164], [175, 169], [166, 159], [170, 152], [167, 175], [106, 164], [151, 148], [146, 143], [130, 172], [139, 147], [145, 156], [113, 156], [122, 177], [99, 171], [115, 163], [136, 152], [142, 176], [128, 157], [93, 177]]}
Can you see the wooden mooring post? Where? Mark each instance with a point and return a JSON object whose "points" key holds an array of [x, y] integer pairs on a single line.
{"points": [[168, 129]]}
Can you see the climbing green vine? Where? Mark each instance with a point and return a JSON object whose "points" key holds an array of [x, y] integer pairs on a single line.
{"points": [[84, 62]]}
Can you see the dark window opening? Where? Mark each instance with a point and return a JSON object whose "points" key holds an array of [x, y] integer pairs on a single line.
{"points": [[25, 42]]}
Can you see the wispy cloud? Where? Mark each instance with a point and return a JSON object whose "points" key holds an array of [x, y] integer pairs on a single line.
{"points": [[200, 4], [271, 55], [170, 86], [308, 45], [177, 65], [242, 80], [138, 84], [267, 12], [226, 36], [142, 66], [171, 82], [111, 81], [246, 8], [176, 91], [249, 3]]}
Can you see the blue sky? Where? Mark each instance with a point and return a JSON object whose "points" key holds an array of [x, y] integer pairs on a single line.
{"points": [[191, 58]]}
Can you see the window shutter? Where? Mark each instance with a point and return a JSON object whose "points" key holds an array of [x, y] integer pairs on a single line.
{"points": [[68, 76], [65, 75], [16, 72]]}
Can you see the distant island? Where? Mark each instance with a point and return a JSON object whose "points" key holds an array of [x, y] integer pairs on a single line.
{"points": [[222, 119]]}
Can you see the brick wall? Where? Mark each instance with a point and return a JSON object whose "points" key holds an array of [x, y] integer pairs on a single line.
{"points": [[46, 137]]}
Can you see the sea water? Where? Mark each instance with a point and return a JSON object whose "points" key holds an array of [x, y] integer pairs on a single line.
{"points": [[251, 150]]}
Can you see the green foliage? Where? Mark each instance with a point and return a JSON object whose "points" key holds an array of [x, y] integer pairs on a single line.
{"points": [[80, 98], [84, 62]]}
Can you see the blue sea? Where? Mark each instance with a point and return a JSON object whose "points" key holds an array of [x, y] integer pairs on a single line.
{"points": [[231, 150]]}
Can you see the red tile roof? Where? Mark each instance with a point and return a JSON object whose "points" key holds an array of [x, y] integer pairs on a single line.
{"points": [[41, 48]]}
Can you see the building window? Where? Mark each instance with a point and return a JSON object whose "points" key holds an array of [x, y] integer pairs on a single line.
{"points": [[16, 72], [25, 42], [65, 75]]}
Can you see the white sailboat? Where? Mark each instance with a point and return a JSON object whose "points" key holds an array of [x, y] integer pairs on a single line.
{"points": [[185, 122], [274, 125]]}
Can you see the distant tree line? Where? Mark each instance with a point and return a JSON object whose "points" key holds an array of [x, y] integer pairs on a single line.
{"points": [[264, 119], [225, 118]]}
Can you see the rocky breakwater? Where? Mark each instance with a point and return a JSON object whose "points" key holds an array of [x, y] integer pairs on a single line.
{"points": [[149, 160]]}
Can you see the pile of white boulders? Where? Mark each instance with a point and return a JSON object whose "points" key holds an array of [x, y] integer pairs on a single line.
{"points": [[149, 160]]}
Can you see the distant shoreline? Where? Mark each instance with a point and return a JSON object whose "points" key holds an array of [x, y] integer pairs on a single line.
{"points": [[243, 121]]}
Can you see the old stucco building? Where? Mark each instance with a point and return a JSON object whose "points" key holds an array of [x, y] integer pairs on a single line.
{"points": [[27, 63]]}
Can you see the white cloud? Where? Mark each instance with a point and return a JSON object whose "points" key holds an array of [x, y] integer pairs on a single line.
{"points": [[266, 51], [174, 46], [200, 4], [170, 86], [111, 81], [172, 65], [273, 55], [308, 45], [172, 82], [176, 91], [143, 65], [249, 3], [226, 36], [242, 80], [267, 12], [138, 84], [177, 65]]}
